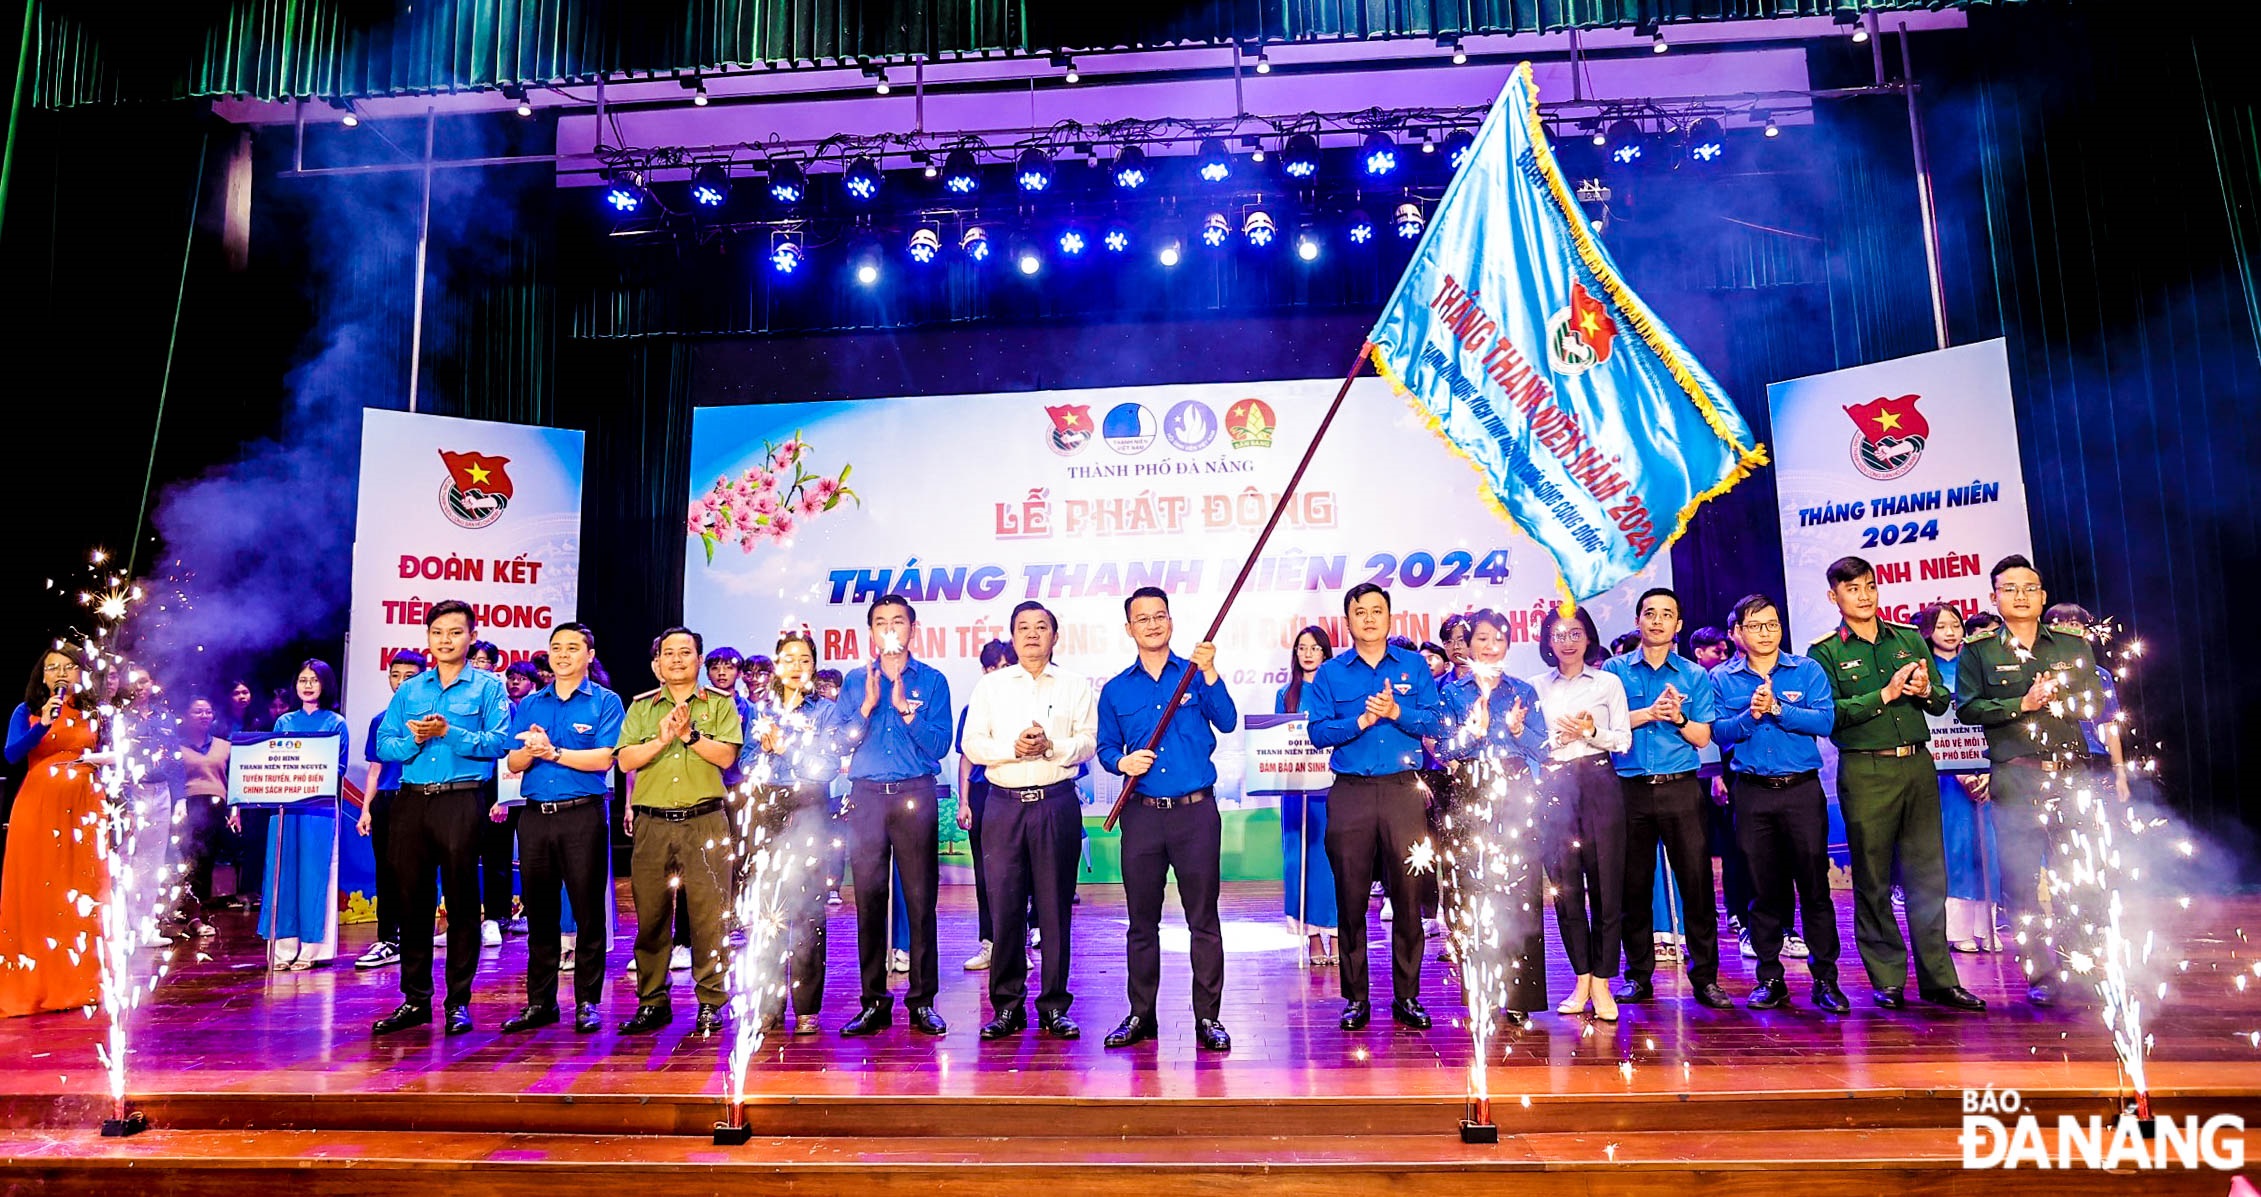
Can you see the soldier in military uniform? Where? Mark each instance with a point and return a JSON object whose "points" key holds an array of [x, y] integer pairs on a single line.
{"points": [[2028, 684], [1888, 789]]}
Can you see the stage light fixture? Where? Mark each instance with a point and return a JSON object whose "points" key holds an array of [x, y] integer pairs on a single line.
{"points": [[1457, 147], [926, 244], [1116, 238], [1625, 136], [862, 179], [1171, 253], [1857, 27], [624, 191], [1707, 142], [1772, 130], [1259, 227], [961, 175], [1860, 34], [879, 85], [1379, 154], [1263, 63], [1072, 242], [1034, 170], [867, 274], [1130, 168], [699, 96], [1408, 221], [1428, 144], [1215, 161], [1359, 228], [1073, 75], [974, 243], [1255, 147], [1026, 257], [522, 105], [525, 108], [788, 183], [1600, 138], [1307, 244], [710, 185], [1655, 33], [1299, 156], [1216, 230], [785, 254], [1459, 52]]}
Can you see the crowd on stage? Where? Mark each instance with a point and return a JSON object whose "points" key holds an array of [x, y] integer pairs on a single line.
{"points": [[751, 786]]}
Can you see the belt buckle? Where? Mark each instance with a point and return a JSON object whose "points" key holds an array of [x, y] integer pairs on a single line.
{"points": [[547, 808], [1163, 803], [1031, 793]]}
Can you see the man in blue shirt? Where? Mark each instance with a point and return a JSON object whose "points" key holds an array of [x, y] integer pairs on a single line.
{"points": [[378, 792], [1772, 705], [446, 727], [1671, 702], [1174, 824], [565, 734], [1372, 705], [895, 713]]}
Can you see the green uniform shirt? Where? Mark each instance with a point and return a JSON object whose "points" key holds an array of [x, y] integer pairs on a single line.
{"points": [[1994, 675], [679, 777], [1858, 672]]}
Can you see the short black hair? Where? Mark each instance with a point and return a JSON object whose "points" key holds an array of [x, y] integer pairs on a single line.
{"points": [[1546, 635], [1360, 591], [1152, 592], [1445, 629], [996, 654], [325, 677], [1624, 644], [445, 607], [1847, 569], [1927, 619], [1706, 636], [1033, 605], [409, 656], [2067, 613], [588, 638], [489, 647], [1749, 605], [1404, 642], [1979, 621], [1655, 591], [757, 663], [1482, 617], [1431, 646], [2005, 565], [525, 669], [890, 600], [725, 654], [698, 642]]}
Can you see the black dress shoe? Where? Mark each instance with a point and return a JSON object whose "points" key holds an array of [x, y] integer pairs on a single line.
{"points": [[647, 1019], [1515, 1018], [458, 1020], [1209, 1035], [1714, 997], [587, 1019], [870, 1020], [926, 1022], [1355, 1016], [1058, 1025], [529, 1018], [1830, 998], [1007, 1022], [709, 1020], [1955, 997], [1891, 997], [1769, 995], [2041, 994], [404, 1016], [1407, 1013], [1135, 1028], [1635, 989]]}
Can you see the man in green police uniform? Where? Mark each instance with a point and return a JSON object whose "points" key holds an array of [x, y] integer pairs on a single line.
{"points": [[1888, 789], [677, 740], [2029, 686]]}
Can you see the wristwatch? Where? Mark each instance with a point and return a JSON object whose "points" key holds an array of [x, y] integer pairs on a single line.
{"points": [[696, 735]]}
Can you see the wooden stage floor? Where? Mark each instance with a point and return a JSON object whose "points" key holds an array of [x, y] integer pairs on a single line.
{"points": [[244, 1071]]}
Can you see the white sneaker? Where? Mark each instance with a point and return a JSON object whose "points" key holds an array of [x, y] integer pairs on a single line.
{"points": [[1386, 911], [1794, 948], [379, 955], [978, 961], [1035, 939], [1751, 953], [832, 897], [1432, 928], [439, 939], [490, 934], [565, 961], [898, 961], [679, 959]]}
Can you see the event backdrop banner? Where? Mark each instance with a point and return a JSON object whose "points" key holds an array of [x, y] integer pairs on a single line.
{"points": [[966, 505], [1912, 465], [464, 509]]}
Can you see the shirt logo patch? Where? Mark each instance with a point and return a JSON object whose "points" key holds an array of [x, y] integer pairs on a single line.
{"points": [[584, 728], [1793, 695], [1403, 687]]}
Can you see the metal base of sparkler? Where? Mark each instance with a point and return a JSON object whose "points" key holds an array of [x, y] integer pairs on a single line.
{"points": [[133, 1123], [1478, 1132], [732, 1134], [2148, 1127]]}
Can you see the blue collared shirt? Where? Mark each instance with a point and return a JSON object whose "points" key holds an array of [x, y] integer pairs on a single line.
{"points": [[1782, 743], [1131, 703], [1460, 696], [803, 751], [1659, 747], [478, 728], [590, 718], [1342, 687], [388, 772], [884, 747]]}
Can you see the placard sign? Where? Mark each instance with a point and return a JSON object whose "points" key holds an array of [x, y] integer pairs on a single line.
{"points": [[1279, 757], [281, 769]]}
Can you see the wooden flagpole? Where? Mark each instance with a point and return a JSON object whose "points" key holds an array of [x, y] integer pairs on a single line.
{"points": [[1130, 787]]}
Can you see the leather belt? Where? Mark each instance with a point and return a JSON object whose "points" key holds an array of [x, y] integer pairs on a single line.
{"points": [[1035, 793], [1775, 782], [892, 787], [2045, 764], [1662, 779], [1200, 795], [551, 808], [445, 787], [1901, 750], [679, 814]]}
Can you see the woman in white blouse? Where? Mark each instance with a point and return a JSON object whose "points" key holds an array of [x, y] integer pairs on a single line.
{"points": [[1585, 835]]}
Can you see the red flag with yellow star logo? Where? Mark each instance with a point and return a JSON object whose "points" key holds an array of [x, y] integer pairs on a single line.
{"points": [[478, 472], [1884, 419]]}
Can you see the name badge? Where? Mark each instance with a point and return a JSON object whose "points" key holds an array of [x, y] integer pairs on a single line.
{"points": [[584, 728]]}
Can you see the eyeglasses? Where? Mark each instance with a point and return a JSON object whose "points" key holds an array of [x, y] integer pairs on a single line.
{"points": [[1763, 629], [1148, 621], [2018, 590], [1570, 637]]}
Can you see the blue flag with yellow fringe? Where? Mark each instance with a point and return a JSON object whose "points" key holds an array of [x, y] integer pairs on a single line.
{"points": [[1595, 429]]}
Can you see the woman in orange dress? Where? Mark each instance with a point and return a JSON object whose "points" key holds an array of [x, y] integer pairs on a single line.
{"points": [[53, 880]]}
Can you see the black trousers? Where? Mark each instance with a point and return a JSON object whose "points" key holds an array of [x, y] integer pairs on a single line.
{"points": [[802, 815], [1784, 833], [1186, 839], [1735, 888], [1033, 850], [247, 850], [1584, 828], [496, 844], [1671, 815], [1372, 824], [203, 821], [1491, 802], [891, 824], [438, 834], [387, 898], [976, 800], [1437, 785], [565, 851]]}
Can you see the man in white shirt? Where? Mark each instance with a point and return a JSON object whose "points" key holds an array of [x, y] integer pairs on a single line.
{"points": [[1030, 727]]}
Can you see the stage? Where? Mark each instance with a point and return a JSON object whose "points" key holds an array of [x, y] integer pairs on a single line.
{"points": [[252, 1077]]}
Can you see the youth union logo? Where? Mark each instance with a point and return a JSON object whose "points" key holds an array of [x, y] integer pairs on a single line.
{"points": [[1190, 426], [1579, 337], [1890, 436], [1129, 428], [1071, 428], [1250, 423], [476, 489]]}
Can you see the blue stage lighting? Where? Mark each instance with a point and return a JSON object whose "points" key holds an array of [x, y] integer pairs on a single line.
{"points": [[1259, 228], [787, 183], [1130, 168], [624, 192], [1072, 242], [1707, 142], [1215, 230], [1625, 138], [961, 175], [1215, 161], [1299, 156], [1307, 244], [1408, 220], [710, 186], [1026, 258], [1117, 238], [1034, 170], [862, 180], [926, 244], [1457, 147], [1379, 154], [1359, 228], [974, 243], [1171, 253], [785, 254]]}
